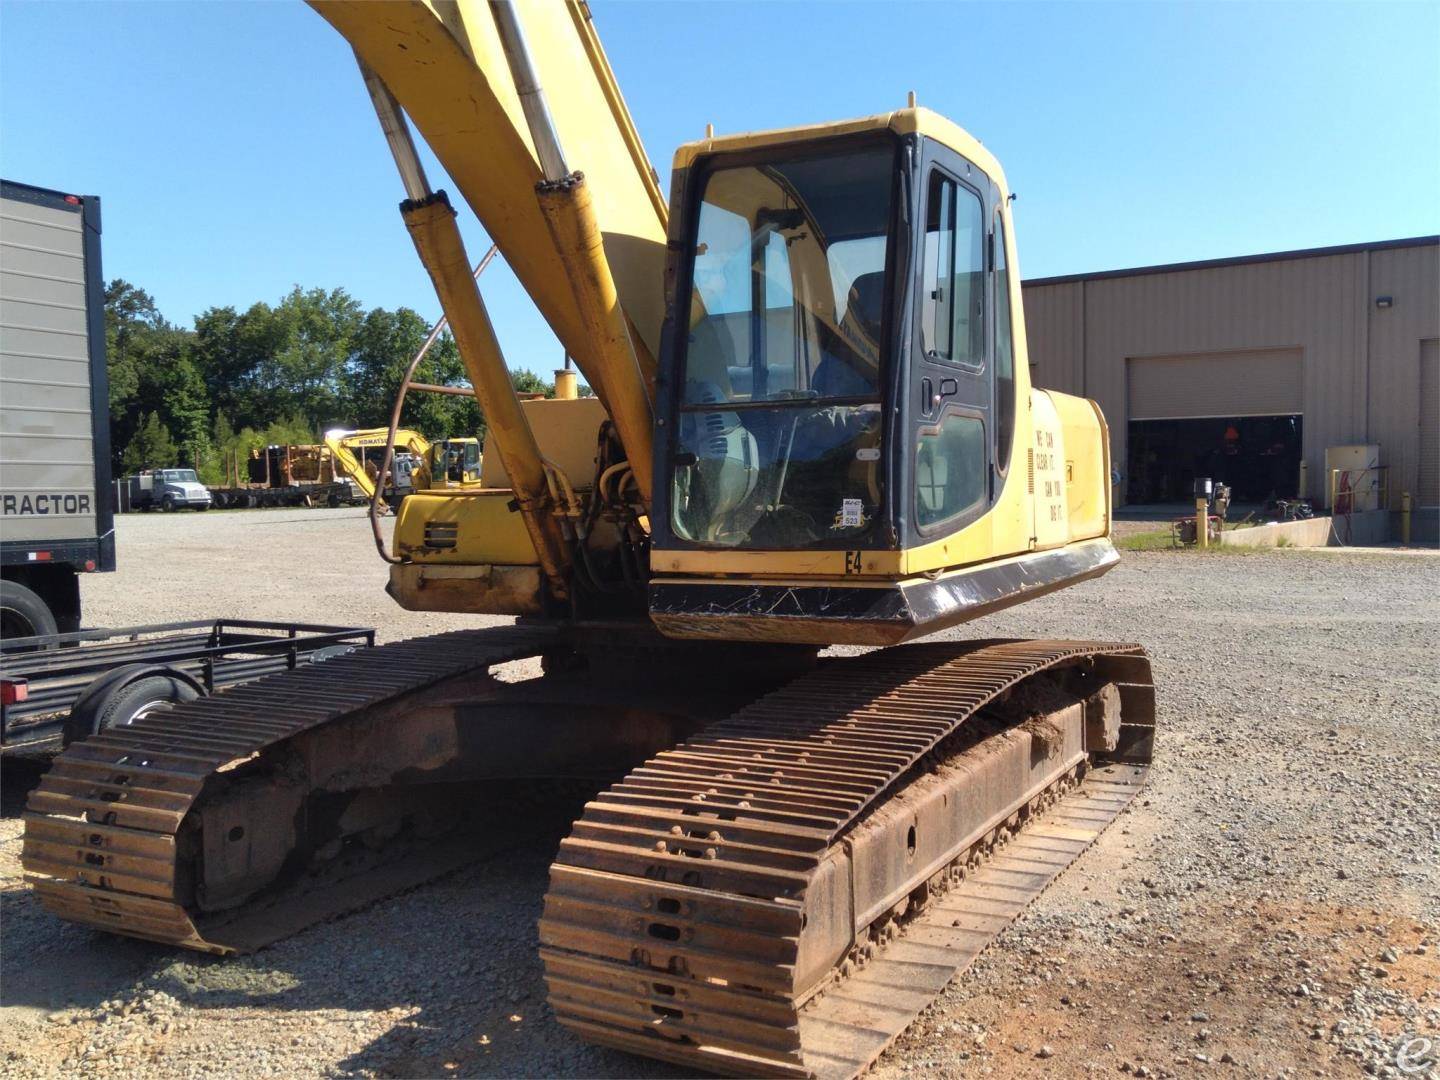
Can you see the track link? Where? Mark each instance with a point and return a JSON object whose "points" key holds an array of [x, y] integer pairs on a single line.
{"points": [[105, 841], [752, 902]]}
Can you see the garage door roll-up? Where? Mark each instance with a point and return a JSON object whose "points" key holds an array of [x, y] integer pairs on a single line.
{"points": [[1254, 383]]}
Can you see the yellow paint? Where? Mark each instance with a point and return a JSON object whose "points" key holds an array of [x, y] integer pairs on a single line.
{"points": [[444, 64], [842, 580], [565, 431], [487, 531], [570, 213], [1087, 462], [442, 251]]}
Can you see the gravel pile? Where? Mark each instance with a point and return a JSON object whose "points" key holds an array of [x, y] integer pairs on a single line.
{"points": [[1270, 906]]}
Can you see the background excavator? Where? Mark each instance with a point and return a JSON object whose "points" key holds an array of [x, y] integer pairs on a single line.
{"points": [[813, 425], [366, 454]]}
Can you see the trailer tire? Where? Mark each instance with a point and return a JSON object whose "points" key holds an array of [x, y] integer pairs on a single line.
{"points": [[123, 704], [23, 613]]}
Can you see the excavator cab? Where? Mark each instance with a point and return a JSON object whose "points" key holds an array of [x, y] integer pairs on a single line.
{"points": [[846, 395], [454, 462]]}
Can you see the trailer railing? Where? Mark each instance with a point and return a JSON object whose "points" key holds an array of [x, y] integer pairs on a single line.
{"points": [[56, 669]]}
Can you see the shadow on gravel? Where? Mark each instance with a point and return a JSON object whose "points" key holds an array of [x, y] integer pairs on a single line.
{"points": [[449, 972], [445, 980], [18, 776]]}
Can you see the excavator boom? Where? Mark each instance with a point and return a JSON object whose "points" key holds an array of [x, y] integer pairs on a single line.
{"points": [[445, 64]]}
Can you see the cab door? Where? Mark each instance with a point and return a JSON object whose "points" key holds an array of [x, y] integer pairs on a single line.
{"points": [[952, 431]]}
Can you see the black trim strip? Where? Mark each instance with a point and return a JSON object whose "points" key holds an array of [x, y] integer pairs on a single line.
{"points": [[99, 383], [72, 553], [847, 614]]}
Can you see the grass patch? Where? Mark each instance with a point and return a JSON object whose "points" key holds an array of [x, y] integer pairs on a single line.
{"points": [[1160, 540]]}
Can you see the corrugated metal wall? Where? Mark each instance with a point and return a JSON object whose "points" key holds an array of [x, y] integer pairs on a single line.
{"points": [[1360, 364], [47, 453]]}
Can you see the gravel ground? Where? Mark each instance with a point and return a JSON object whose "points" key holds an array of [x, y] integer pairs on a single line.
{"points": [[1271, 905]]}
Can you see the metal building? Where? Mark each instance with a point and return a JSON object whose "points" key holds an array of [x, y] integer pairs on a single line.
{"points": [[1242, 368]]}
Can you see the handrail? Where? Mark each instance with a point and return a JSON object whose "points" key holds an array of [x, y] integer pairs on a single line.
{"points": [[399, 406]]}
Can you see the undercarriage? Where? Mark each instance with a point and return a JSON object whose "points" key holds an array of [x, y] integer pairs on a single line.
{"points": [[794, 855]]}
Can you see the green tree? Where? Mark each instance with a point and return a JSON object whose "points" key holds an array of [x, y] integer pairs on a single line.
{"points": [[306, 375], [137, 340], [151, 447], [383, 348], [526, 381]]}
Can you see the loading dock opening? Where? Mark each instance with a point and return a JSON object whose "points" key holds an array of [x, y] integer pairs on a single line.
{"points": [[1257, 456]]}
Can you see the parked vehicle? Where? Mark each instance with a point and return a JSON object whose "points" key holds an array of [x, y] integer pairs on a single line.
{"points": [[64, 687], [56, 502], [168, 490], [299, 475]]}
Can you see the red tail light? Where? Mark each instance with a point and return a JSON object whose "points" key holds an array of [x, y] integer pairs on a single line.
{"points": [[13, 691]]}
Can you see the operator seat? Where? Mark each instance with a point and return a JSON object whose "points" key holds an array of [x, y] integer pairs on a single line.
{"points": [[851, 366]]}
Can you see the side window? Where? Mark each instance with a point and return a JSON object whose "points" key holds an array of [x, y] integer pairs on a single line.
{"points": [[1004, 353], [951, 469], [953, 314]]}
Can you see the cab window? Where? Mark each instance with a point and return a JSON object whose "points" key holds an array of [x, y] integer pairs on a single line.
{"points": [[953, 283], [950, 469]]}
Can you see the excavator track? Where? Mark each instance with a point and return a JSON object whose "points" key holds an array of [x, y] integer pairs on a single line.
{"points": [[782, 894], [111, 835]]}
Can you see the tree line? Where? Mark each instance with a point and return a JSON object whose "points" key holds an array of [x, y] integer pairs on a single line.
{"points": [[272, 374]]}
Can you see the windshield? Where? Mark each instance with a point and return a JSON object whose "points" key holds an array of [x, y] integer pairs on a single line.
{"points": [[178, 476], [779, 434]]}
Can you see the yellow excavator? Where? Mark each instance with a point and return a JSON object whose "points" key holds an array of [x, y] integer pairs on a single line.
{"points": [[419, 465], [813, 426]]}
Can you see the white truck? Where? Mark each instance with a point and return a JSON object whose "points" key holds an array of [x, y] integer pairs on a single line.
{"points": [[56, 501], [168, 489]]}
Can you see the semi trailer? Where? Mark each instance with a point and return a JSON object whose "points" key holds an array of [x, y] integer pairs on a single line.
{"points": [[56, 499]]}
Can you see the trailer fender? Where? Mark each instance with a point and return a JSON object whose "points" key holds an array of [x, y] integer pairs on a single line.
{"points": [[119, 697]]}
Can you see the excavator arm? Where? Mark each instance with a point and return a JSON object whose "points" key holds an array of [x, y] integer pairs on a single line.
{"points": [[348, 450]]}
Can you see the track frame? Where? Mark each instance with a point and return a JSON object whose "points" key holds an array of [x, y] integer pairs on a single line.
{"points": [[705, 909]]}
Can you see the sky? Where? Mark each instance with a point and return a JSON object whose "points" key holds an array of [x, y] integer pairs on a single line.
{"points": [[237, 155]]}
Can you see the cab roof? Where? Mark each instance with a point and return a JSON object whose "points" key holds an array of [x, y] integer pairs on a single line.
{"points": [[916, 121]]}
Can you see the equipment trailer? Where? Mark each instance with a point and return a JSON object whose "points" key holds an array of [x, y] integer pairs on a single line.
{"points": [[69, 686], [306, 475]]}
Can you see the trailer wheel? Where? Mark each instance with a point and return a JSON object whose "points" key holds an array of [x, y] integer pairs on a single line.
{"points": [[125, 704], [23, 613]]}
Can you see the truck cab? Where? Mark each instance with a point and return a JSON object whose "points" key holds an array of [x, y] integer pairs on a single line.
{"points": [[168, 489]]}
